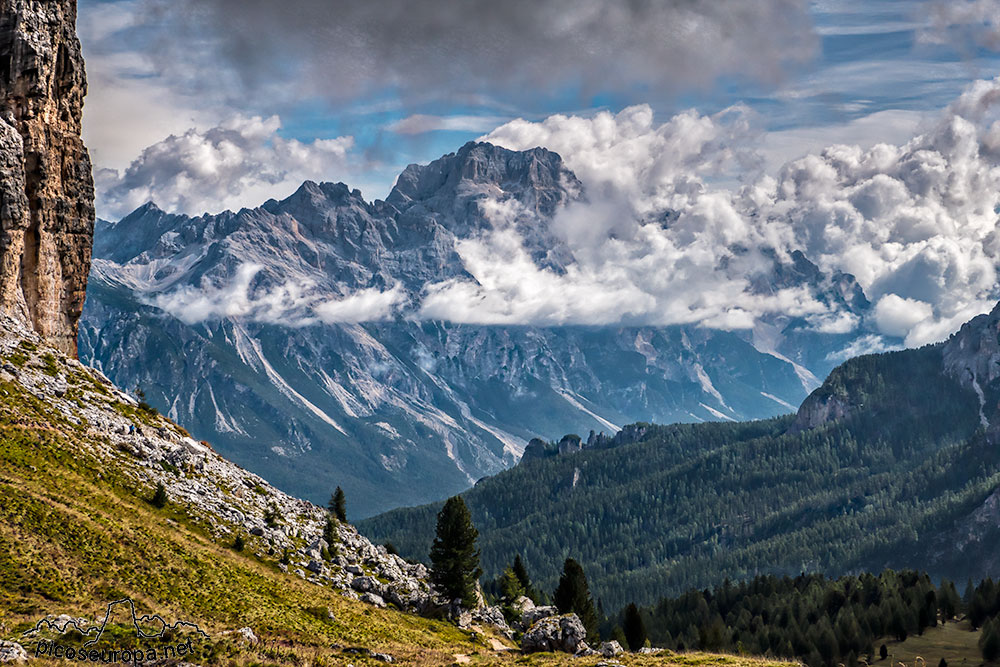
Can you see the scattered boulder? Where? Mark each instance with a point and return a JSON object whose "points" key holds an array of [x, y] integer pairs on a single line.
{"points": [[368, 653], [493, 616], [556, 633], [12, 652], [366, 585], [463, 617], [247, 635], [530, 616], [523, 604], [610, 649], [373, 599]]}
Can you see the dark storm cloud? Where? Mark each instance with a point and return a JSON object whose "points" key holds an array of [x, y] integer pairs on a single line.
{"points": [[512, 49]]}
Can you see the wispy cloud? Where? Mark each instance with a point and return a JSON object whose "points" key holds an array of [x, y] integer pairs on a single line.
{"points": [[420, 123]]}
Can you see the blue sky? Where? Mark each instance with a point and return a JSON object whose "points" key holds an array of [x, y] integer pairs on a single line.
{"points": [[855, 72]]}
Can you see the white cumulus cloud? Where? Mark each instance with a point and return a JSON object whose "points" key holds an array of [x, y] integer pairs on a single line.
{"points": [[242, 160], [914, 222]]}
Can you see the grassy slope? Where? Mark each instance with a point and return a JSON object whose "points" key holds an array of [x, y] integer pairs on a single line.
{"points": [[75, 533], [953, 641]]}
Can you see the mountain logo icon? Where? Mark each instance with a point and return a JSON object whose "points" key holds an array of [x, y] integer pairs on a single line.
{"points": [[147, 626]]}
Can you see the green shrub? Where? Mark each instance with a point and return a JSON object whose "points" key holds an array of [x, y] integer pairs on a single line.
{"points": [[159, 498]]}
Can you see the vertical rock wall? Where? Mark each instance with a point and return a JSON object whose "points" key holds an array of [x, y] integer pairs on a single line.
{"points": [[46, 183]]}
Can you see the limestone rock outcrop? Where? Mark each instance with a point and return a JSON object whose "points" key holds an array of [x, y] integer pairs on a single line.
{"points": [[46, 182], [556, 633]]}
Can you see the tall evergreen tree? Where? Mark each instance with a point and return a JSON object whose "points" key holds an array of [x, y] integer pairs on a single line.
{"points": [[573, 596], [521, 572], [949, 600], [454, 557], [634, 627], [338, 505]]}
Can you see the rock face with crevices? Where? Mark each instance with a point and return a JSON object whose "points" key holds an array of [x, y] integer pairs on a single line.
{"points": [[46, 184]]}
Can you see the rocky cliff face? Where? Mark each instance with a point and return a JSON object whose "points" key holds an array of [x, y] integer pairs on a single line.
{"points": [[46, 185], [972, 356]]}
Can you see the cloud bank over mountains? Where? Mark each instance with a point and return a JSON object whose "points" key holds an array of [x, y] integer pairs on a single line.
{"points": [[663, 235], [915, 223]]}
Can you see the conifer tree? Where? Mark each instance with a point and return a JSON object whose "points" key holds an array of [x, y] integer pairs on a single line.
{"points": [[634, 628], [573, 596], [521, 572], [454, 557], [949, 600], [338, 505], [510, 586], [989, 641], [329, 533]]}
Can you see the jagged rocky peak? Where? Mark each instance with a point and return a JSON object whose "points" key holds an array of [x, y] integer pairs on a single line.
{"points": [[46, 184], [311, 197], [538, 173]]}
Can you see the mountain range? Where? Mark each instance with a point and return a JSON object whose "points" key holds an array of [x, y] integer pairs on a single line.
{"points": [[286, 334]]}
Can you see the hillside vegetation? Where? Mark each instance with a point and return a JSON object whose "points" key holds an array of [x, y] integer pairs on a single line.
{"points": [[78, 530], [689, 505]]}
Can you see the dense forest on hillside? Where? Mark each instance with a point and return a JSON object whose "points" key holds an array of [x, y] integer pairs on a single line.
{"points": [[812, 618], [690, 505], [822, 621]]}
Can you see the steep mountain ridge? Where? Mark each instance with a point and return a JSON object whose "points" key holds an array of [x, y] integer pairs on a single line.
{"points": [[220, 320], [892, 462]]}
